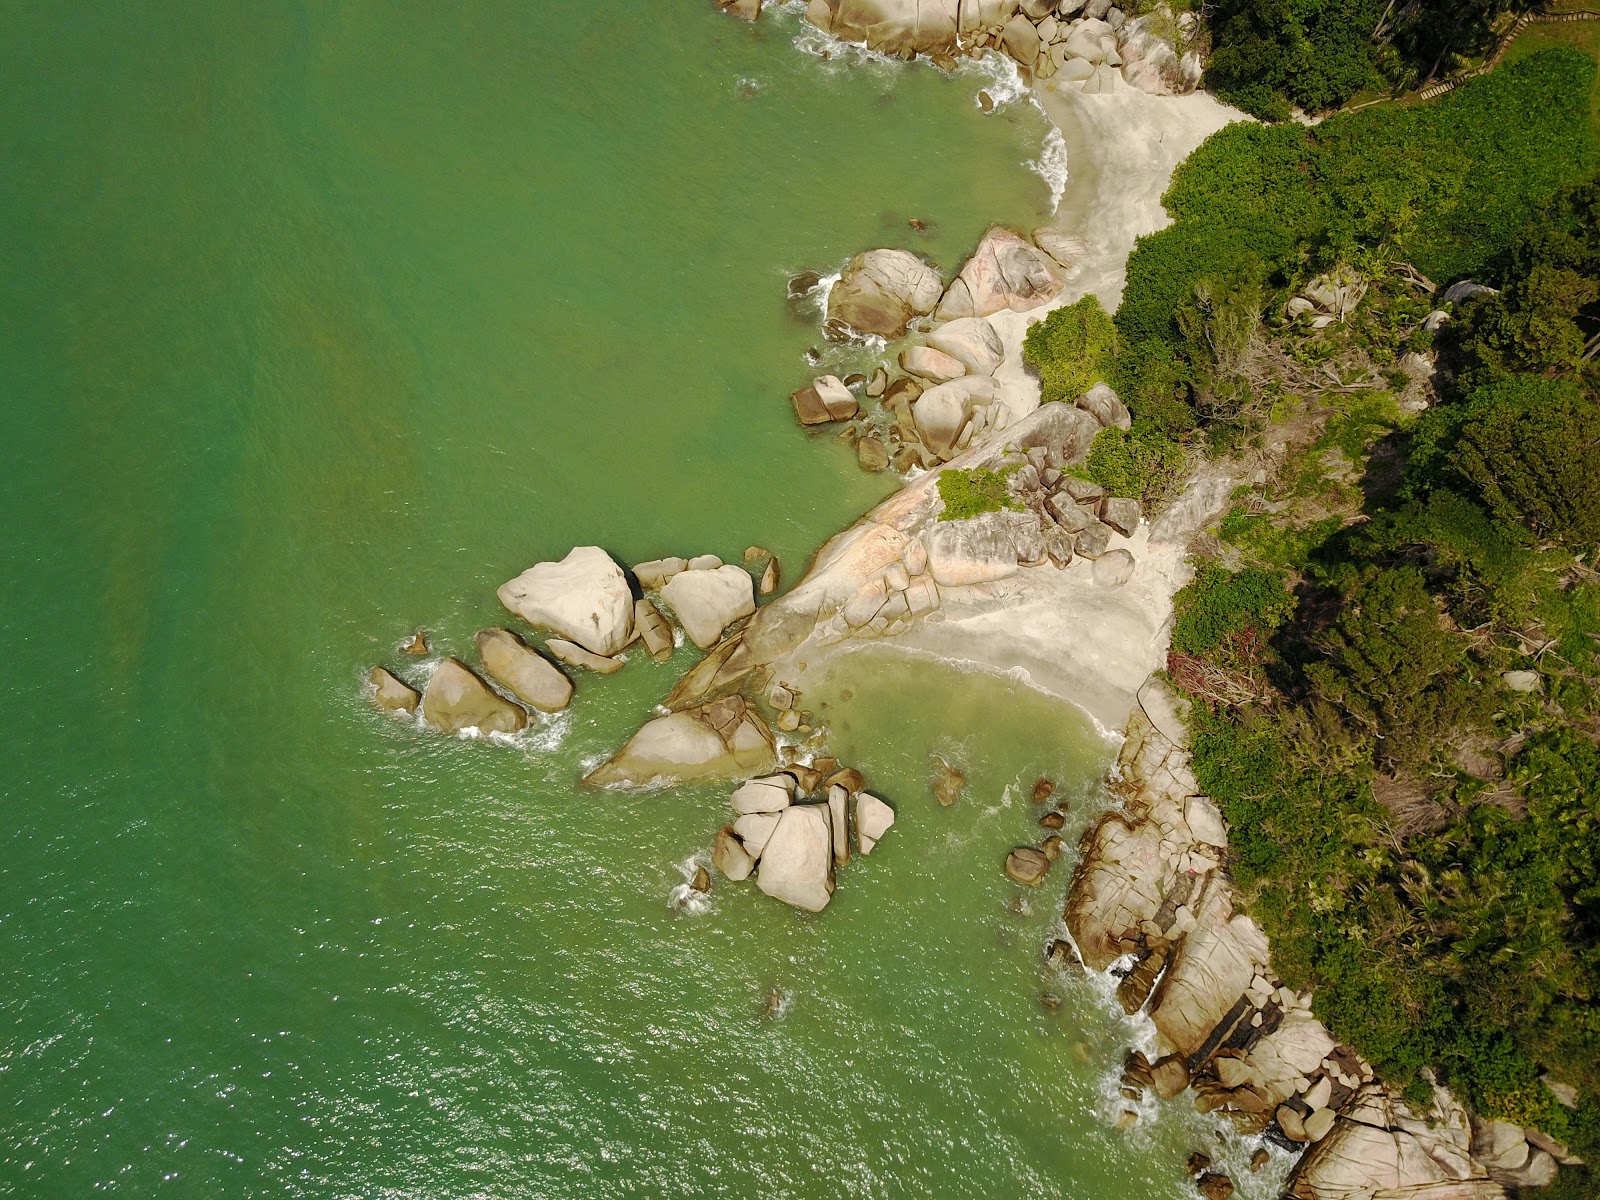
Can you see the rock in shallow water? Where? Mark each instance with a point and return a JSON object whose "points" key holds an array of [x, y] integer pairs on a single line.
{"points": [[874, 818], [575, 655], [707, 602], [797, 861], [585, 598], [526, 673], [391, 693], [722, 739], [730, 857], [880, 291], [456, 699], [1027, 865]]}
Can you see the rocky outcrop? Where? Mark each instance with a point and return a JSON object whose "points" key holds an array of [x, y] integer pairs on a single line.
{"points": [[722, 739], [1005, 273], [1068, 249], [1150, 898], [879, 292], [584, 598], [391, 693], [1094, 45], [524, 672], [796, 863], [971, 341], [707, 602], [456, 701]]}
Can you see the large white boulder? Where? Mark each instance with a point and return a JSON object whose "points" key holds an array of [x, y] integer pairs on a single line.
{"points": [[942, 412], [585, 598], [979, 549], [881, 290], [797, 861], [721, 739], [971, 341], [707, 602], [1068, 249], [1006, 272], [931, 364], [898, 27], [873, 820]]}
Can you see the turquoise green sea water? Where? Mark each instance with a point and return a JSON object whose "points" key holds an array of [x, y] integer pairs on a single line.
{"points": [[317, 322]]}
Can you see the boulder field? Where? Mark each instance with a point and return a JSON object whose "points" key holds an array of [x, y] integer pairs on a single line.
{"points": [[1151, 901], [1090, 45], [792, 842]]}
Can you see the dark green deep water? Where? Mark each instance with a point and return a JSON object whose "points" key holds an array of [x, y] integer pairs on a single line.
{"points": [[317, 322]]}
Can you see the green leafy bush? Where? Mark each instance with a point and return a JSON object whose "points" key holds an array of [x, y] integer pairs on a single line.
{"points": [[1227, 615], [977, 490], [1072, 349], [1531, 448], [1142, 462]]}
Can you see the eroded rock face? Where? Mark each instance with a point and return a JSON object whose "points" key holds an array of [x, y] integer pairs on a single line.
{"points": [[1004, 273], [1068, 249], [797, 861], [880, 291], [971, 341], [524, 672], [707, 602], [456, 700], [979, 549], [585, 598], [721, 739]]}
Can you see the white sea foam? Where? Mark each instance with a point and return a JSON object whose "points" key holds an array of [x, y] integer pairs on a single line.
{"points": [[1051, 165], [683, 899]]}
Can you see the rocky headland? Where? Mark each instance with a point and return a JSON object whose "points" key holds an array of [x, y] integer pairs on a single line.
{"points": [[1065, 586]]}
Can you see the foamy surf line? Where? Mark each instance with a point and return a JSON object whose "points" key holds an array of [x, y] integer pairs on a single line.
{"points": [[1000, 78]]}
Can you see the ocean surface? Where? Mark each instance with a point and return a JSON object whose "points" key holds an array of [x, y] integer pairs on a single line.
{"points": [[317, 322]]}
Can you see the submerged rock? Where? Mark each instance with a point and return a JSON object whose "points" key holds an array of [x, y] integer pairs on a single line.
{"points": [[797, 862], [456, 700], [391, 693], [947, 781], [584, 598], [526, 673]]}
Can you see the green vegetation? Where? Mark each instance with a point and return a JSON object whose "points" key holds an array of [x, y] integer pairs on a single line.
{"points": [[1318, 54], [1072, 349], [1420, 841], [977, 490], [1143, 462], [1259, 207]]}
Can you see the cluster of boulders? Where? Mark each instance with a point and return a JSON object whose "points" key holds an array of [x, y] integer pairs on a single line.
{"points": [[945, 395], [1328, 299], [791, 830], [1151, 903], [596, 611], [1029, 864], [1089, 43]]}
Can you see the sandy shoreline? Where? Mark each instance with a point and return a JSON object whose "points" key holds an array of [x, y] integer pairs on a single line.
{"points": [[1082, 643]]}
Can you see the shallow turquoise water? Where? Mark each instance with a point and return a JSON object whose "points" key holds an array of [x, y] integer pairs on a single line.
{"points": [[321, 320]]}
